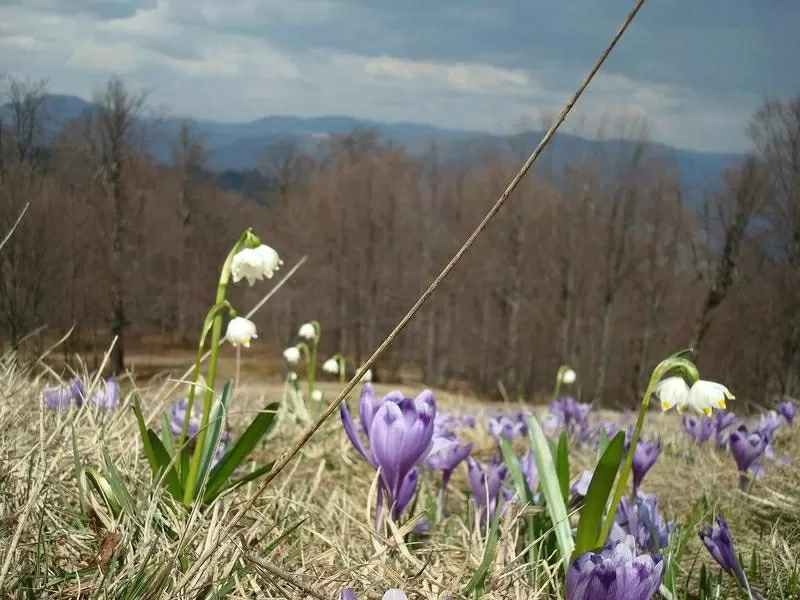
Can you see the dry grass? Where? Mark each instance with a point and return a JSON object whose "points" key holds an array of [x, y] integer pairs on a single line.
{"points": [[311, 533]]}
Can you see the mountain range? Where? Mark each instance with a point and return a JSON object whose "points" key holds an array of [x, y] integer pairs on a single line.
{"points": [[239, 147]]}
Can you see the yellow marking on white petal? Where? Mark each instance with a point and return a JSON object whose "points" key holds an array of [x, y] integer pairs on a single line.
{"points": [[707, 411], [665, 406], [721, 403], [681, 409]]}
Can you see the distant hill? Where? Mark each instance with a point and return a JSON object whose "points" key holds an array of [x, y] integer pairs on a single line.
{"points": [[235, 147]]}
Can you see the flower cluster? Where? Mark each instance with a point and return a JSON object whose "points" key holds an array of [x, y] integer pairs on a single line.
{"points": [[63, 397]]}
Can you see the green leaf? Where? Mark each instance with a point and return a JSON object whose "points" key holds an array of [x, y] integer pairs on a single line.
{"points": [[603, 444], [167, 437], [550, 487], [78, 468], [214, 433], [118, 485], [186, 461], [511, 461], [591, 518], [171, 479], [478, 580], [104, 490], [562, 465], [259, 428], [148, 448]]}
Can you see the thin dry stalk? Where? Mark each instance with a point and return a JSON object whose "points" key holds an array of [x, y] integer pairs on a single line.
{"points": [[14, 227], [287, 456]]}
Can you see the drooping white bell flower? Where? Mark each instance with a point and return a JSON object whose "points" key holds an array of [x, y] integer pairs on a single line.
{"points": [[707, 395], [254, 264], [367, 377], [316, 395], [331, 366], [568, 376], [703, 396], [240, 331], [307, 331], [291, 354]]}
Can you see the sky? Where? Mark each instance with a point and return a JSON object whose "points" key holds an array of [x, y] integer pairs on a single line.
{"points": [[696, 70]]}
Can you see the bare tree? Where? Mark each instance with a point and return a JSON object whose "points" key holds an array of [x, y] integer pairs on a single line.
{"points": [[23, 264], [776, 133], [189, 157], [742, 200], [113, 135]]}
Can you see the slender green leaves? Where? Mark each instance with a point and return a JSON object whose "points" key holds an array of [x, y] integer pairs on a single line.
{"points": [[550, 487], [591, 517]]}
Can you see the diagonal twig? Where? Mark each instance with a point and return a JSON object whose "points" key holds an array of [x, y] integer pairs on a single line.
{"points": [[15, 225], [306, 435]]}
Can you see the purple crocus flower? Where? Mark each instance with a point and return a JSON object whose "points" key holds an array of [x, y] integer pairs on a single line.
{"points": [[581, 485], [788, 410], [768, 425], [531, 473], [176, 417], [615, 573], [108, 397], [400, 434], [486, 486], [700, 428], [645, 456], [504, 426], [447, 459], [61, 398], [746, 448], [724, 419], [390, 594], [717, 540], [642, 519]]}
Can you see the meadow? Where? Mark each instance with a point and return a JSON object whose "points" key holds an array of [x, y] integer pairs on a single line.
{"points": [[111, 487]]}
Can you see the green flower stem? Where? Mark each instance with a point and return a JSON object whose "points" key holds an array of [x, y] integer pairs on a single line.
{"points": [[217, 308], [342, 368], [561, 370], [673, 362], [216, 334], [626, 469]]}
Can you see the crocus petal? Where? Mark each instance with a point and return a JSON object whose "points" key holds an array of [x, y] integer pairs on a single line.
{"points": [[347, 594], [350, 430], [394, 594]]}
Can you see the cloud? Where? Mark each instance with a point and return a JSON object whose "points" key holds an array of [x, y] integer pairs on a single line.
{"points": [[695, 72]]}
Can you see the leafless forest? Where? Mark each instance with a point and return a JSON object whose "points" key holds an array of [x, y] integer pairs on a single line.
{"points": [[604, 265]]}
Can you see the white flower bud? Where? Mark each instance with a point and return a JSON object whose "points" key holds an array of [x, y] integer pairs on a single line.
{"points": [[568, 376], [307, 331], [316, 395], [331, 366], [291, 354]]}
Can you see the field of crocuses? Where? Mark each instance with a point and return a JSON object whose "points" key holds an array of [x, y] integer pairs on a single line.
{"points": [[197, 488]]}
